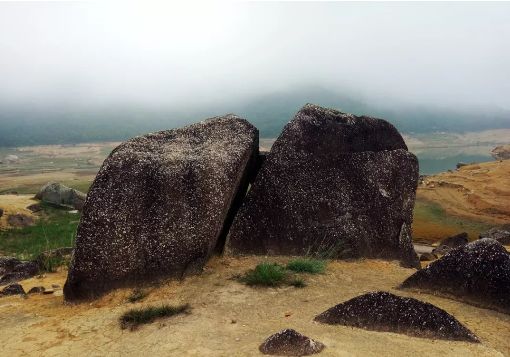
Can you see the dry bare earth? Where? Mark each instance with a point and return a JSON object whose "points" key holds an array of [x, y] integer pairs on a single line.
{"points": [[14, 204], [480, 191], [43, 325]]}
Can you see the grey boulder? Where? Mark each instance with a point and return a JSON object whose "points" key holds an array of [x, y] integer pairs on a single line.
{"points": [[61, 195], [161, 204], [334, 185]]}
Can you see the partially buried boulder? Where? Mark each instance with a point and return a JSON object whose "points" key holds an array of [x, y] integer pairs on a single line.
{"points": [[13, 269], [386, 312], [456, 240], [501, 234], [425, 257], [334, 185], [478, 273], [61, 195], [161, 204], [13, 289], [289, 342]]}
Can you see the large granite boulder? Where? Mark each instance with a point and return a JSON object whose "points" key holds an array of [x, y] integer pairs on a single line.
{"points": [[478, 273], [160, 205], [289, 342], [383, 311], [61, 195], [334, 185]]}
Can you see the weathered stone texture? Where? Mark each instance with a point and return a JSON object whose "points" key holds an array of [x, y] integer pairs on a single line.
{"points": [[335, 185], [159, 204]]}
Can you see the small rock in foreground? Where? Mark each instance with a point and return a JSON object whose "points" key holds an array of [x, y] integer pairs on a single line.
{"points": [[289, 342], [386, 312], [13, 289]]}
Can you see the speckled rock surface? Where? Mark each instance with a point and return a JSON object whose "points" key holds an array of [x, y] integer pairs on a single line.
{"points": [[289, 342], [501, 234], [478, 272], [159, 204], [58, 194], [383, 311], [334, 185], [13, 269], [13, 289]]}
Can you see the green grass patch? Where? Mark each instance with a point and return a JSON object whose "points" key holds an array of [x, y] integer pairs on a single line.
{"points": [[55, 229], [265, 274], [136, 317], [305, 265], [137, 295], [297, 283]]}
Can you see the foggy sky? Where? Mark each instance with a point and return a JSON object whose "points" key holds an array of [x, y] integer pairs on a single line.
{"points": [[87, 54]]}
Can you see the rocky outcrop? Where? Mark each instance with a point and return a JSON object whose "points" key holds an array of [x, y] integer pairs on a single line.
{"points": [[37, 290], [161, 204], [13, 289], [501, 234], [289, 342], [334, 185], [456, 240], [478, 273], [501, 152], [13, 269], [383, 311], [425, 257], [61, 195]]}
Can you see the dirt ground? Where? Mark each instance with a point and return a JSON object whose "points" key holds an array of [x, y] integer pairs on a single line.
{"points": [[230, 319], [14, 204], [480, 192]]}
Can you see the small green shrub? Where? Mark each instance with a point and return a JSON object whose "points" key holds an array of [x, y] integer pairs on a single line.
{"points": [[303, 265], [137, 295], [135, 317], [265, 274], [297, 283]]}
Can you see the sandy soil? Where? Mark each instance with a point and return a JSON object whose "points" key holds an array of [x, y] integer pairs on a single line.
{"points": [[14, 204], [480, 192], [44, 326]]}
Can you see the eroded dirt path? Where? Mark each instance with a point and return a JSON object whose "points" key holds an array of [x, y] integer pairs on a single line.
{"points": [[44, 326]]}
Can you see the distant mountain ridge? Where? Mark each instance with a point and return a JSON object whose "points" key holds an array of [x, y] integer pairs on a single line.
{"points": [[269, 113]]}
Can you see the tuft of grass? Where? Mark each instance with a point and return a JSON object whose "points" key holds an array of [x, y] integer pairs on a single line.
{"points": [[136, 317], [307, 265], [50, 264], [55, 229], [297, 283], [265, 274], [137, 295]]}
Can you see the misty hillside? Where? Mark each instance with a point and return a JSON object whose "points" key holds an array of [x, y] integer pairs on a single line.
{"points": [[65, 125]]}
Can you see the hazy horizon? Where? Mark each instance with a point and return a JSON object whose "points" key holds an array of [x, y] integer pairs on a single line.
{"points": [[79, 62]]}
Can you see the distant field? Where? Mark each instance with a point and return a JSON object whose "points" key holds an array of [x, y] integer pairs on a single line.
{"points": [[432, 223], [73, 165]]}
